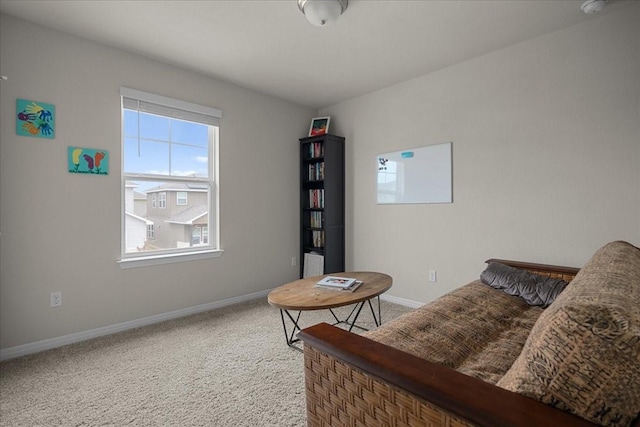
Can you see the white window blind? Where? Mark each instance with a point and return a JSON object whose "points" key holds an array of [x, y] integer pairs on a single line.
{"points": [[156, 104]]}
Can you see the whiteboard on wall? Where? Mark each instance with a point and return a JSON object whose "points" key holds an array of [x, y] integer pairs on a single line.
{"points": [[415, 175]]}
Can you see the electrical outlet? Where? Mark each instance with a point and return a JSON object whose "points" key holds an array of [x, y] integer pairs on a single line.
{"points": [[294, 261], [433, 276], [55, 299]]}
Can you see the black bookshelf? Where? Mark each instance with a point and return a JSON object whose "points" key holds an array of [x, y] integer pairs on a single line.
{"points": [[322, 206]]}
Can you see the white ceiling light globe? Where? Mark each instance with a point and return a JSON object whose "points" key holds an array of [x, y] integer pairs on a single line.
{"points": [[322, 12], [593, 6]]}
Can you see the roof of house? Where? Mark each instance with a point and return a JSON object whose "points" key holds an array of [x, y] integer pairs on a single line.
{"points": [[188, 216], [139, 218], [179, 186]]}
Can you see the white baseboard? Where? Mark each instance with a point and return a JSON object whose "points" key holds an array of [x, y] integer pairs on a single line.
{"points": [[38, 346], [401, 301]]}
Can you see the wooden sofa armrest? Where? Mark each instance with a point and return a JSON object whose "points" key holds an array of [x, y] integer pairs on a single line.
{"points": [[352, 380], [554, 271]]}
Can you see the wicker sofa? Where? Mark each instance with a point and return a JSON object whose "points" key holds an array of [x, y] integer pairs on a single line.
{"points": [[480, 357]]}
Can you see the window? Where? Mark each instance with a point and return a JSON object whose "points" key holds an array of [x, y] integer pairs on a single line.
{"points": [[200, 235], [181, 198], [168, 151], [196, 236]]}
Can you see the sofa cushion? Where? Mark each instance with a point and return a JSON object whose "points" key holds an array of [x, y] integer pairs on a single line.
{"points": [[583, 353], [475, 329], [533, 288]]}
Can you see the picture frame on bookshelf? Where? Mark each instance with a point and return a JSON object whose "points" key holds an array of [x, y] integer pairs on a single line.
{"points": [[319, 126]]}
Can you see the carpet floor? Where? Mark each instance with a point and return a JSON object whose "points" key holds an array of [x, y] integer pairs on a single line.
{"points": [[225, 367]]}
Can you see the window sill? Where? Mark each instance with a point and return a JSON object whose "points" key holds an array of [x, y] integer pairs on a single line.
{"points": [[168, 258]]}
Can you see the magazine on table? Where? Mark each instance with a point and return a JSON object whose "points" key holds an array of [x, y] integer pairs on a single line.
{"points": [[338, 282], [355, 285]]}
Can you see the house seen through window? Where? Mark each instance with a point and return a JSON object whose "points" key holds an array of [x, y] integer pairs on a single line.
{"points": [[168, 175]]}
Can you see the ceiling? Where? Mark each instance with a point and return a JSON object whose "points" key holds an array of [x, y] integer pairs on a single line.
{"points": [[268, 45]]}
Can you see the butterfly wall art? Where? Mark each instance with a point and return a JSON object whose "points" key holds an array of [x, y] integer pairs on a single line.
{"points": [[88, 160]]}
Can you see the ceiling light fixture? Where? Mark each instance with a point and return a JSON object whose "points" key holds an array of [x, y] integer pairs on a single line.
{"points": [[593, 6], [322, 12]]}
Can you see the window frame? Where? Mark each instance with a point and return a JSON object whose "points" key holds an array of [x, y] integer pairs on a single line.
{"points": [[185, 198], [162, 199], [199, 235], [210, 250]]}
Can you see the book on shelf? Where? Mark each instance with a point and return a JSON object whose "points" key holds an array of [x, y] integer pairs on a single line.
{"points": [[315, 219], [316, 150], [316, 198], [316, 171], [338, 282], [317, 238], [355, 285]]}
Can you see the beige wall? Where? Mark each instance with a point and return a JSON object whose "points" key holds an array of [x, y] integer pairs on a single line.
{"points": [[61, 231], [546, 158], [546, 168]]}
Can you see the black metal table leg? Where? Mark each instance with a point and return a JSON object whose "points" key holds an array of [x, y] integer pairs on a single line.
{"points": [[355, 312], [290, 339], [360, 305], [377, 321]]}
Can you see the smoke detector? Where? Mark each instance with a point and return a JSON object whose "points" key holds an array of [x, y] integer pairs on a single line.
{"points": [[593, 6]]}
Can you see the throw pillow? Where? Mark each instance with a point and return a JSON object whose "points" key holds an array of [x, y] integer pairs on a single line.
{"points": [[583, 352], [533, 288]]}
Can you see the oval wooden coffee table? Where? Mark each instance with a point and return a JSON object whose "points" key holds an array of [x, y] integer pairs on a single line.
{"points": [[302, 295]]}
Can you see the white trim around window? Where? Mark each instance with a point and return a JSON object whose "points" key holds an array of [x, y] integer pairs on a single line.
{"points": [[147, 261], [168, 145]]}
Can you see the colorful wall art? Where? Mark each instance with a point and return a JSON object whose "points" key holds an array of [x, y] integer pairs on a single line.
{"points": [[35, 118], [88, 160]]}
